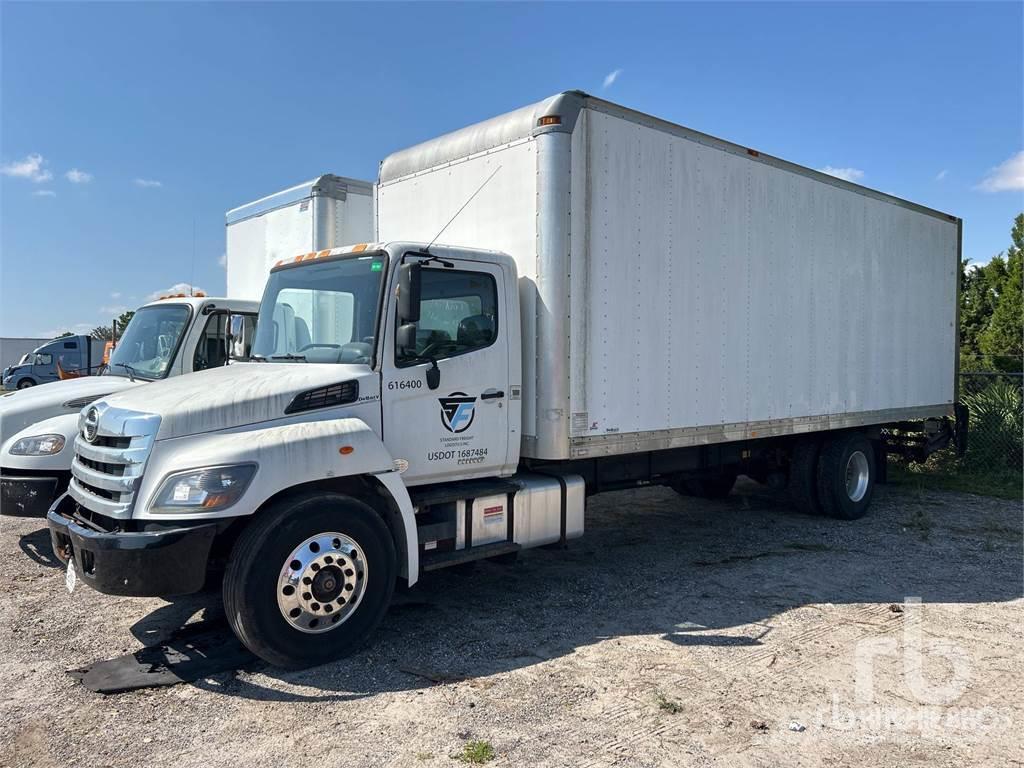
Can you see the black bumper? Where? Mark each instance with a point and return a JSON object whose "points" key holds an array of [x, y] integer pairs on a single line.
{"points": [[29, 495], [170, 561]]}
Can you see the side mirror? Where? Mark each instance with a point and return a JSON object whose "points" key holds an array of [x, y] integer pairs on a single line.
{"points": [[405, 337], [410, 277], [238, 342]]}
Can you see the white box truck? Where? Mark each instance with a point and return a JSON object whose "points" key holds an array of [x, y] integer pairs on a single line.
{"points": [[175, 335], [619, 301]]}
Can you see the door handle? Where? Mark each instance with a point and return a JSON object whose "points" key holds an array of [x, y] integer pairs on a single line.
{"points": [[492, 394]]}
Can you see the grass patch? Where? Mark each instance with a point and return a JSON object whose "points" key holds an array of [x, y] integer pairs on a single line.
{"points": [[998, 483], [921, 522], [666, 704], [476, 752]]}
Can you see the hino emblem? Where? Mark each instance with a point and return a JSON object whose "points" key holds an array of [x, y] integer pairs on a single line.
{"points": [[91, 425]]}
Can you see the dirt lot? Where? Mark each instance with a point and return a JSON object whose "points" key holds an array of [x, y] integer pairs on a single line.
{"points": [[676, 632]]}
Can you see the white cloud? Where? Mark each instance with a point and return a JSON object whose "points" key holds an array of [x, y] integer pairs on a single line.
{"points": [[76, 176], [43, 193], [115, 295], [113, 311], [611, 77], [941, 174], [223, 260], [1005, 177], [148, 183], [176, 288], [78, 329], [30, 168], [846, 174]]}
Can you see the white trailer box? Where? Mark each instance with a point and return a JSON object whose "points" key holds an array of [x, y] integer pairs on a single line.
{"points": [[682, 290], [323, 213]]}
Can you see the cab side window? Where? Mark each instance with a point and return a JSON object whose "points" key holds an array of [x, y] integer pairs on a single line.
{"points": [[458, 314], [211, 349]]}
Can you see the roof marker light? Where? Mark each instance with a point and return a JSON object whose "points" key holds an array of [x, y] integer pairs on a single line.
{"points": [[549, 120]]}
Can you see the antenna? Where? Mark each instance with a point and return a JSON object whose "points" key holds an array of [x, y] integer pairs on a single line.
{"points": [[192, 270], [453, 218]]}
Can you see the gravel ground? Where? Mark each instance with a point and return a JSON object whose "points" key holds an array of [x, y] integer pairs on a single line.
{"points": [[676, 632]]}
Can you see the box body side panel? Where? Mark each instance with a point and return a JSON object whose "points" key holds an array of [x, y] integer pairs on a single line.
{"points": [[720, 290]]}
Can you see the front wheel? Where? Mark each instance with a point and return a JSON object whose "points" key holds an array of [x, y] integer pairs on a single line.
{"points": [[26, 383], [310, 579]]}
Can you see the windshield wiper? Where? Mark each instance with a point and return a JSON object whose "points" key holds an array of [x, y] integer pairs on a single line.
{"points": [[131, 371], [258, 358], [288, 356]]}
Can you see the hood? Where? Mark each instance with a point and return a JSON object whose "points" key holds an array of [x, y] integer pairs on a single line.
{"points": [[232, 396], [23, 407]]}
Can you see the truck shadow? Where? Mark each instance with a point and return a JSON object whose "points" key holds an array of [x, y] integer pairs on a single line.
{"points": [[38, 548], [690, 572]]}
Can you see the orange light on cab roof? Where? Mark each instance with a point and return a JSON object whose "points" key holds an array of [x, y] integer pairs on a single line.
{"points": [[345, 450], [359, 248], [550, 120]]}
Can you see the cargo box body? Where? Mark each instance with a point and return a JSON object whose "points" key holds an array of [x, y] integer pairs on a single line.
{"points": [[680, 290], [323, 213]]}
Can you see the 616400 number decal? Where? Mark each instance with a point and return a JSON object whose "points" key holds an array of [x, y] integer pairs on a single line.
{"points": [[410, 384]]}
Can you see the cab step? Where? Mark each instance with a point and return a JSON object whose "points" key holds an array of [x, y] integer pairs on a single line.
{"points": [[440, 560]]}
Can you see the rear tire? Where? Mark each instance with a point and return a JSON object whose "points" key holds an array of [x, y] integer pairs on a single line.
{"points": [[310, 579], [846, 476], [803, 476]]}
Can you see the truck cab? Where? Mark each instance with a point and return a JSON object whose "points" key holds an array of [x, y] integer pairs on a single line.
{"points": [[75, 355], [376, 425], [165, 338]]}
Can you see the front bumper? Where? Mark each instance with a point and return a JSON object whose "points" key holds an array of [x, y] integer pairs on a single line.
{"points": [[29, 495], [170, 561]]}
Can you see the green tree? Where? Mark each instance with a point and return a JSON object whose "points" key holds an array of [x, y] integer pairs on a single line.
{"points": [[66, 333], [102, 332], [122, 321], [1002, 340]]}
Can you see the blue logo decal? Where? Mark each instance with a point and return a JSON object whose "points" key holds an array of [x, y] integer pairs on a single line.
{"points": [[457, 411]]}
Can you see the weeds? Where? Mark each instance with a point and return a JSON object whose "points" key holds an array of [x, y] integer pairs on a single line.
{"points": [[921, 522], [476, 752], [666, 704]]}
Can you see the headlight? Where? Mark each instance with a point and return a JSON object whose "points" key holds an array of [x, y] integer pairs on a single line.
{"points": [[203, 490], [38, 445]]}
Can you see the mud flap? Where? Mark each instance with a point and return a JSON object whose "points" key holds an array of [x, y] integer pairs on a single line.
{"points": [[193, 653]]}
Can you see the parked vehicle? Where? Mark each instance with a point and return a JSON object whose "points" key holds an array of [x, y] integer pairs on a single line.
{"points": [[13, 351], [174, 336], [165, 338], [75, 355], [619, 301]]}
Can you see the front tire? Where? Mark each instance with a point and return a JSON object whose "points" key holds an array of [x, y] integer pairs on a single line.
{"points": [[846, 476], [310, 579], [26, 383]]}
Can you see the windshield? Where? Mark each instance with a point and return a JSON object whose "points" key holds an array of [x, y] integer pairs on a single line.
{"points": [[26, 359], [321, 312], [150, 342]]}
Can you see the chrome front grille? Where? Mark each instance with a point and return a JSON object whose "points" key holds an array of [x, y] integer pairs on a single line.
{"points": [[106, 470]]}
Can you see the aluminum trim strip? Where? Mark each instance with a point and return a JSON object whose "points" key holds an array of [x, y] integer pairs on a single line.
{"points": [[94, 503], [635, 442]]}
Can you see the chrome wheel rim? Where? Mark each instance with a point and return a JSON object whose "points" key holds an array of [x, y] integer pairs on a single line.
{"points": [[322, 582], [857, 475]]}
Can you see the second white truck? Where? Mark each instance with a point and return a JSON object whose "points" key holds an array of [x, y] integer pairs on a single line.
{"points": [[619, 301]]}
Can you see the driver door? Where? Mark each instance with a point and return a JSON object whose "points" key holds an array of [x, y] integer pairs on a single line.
{"points": [[460, 429]]}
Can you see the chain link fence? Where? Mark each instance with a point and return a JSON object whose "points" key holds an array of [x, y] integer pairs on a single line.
{"points": [[994, 458]]}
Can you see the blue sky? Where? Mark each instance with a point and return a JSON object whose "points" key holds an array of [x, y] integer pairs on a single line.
{"points": [[122, 124]]}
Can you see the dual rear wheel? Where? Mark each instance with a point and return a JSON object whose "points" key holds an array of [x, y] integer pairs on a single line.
{"points": [[834, 477]]}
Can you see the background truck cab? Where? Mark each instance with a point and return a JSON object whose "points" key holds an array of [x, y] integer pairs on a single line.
{"points": [[76, 355]]}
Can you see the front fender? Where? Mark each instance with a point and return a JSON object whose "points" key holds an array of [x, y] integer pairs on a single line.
{"points": [[287, 455], [65, 425]]}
